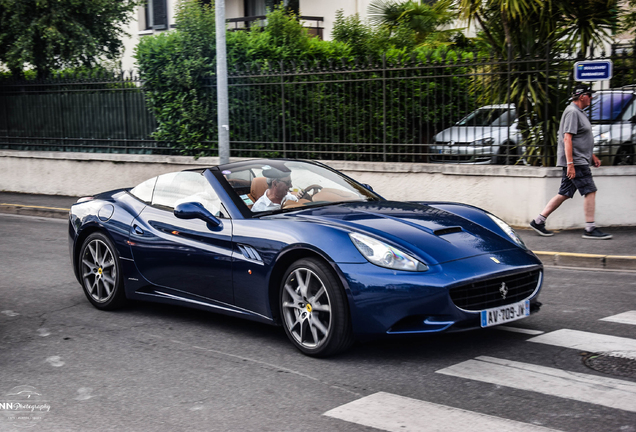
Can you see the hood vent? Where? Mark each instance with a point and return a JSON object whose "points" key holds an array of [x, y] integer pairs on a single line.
{"points": [[449, 230]]}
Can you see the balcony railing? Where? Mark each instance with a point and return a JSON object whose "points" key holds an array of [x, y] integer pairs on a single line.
{"points": [[245, 23]]}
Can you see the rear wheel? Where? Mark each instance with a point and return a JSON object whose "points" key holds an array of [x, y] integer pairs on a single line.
{"points": [[314, 309], [100, 273]]}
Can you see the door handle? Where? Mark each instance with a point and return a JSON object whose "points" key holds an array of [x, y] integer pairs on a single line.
{"points": [[138, 230]]}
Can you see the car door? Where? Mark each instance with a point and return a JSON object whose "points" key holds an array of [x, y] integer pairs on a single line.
{"points": [[186, 255]]}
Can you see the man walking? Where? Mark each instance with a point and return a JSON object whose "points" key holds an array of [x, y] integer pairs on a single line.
{"points": [[574, 154]]}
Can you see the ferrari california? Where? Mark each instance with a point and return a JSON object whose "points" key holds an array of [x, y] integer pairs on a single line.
{"points": [[297, 244]]}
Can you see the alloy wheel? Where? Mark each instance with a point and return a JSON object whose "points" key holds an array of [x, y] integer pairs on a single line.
{"points": [[306, 308], [99, 271]]}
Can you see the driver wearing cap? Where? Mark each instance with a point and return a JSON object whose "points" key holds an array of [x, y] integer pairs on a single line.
{"points": [[278, 185]]}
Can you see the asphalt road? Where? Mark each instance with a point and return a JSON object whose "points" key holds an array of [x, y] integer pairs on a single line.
{"points": [[158, 368]]}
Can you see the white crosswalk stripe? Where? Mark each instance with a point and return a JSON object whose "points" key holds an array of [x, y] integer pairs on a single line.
{"points": [[594, 389], [628, 317], [391, 412], [585, 341]]}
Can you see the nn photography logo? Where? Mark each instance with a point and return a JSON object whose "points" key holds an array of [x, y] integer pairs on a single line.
{"points": [[23, 406]]}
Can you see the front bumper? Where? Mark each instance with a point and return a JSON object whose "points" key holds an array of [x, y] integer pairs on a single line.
{"points": [[386, 302]]}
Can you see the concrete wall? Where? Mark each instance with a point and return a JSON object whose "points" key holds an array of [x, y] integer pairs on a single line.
{"points": [[516, 194]]}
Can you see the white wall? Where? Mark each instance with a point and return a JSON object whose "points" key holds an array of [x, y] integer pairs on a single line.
{"points": [[516, 194], [327, 9]]}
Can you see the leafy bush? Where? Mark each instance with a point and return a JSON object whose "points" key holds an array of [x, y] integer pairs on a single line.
{"points": [[289, 90], [174, 66]]}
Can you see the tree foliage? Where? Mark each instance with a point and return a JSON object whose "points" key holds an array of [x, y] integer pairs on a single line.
{"points": [[628, 18], [425, 20], [178, 70], [53, 34], [174, 66], [178, 67]]}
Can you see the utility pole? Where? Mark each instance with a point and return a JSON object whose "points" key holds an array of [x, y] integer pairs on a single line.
{"points": [[221, 84]]}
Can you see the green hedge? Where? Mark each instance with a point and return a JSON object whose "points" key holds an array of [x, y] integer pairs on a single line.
{"points": [[296, 95]]}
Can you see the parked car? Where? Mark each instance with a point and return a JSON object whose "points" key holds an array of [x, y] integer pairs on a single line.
{"points": [[486, 135], [341, 263], [613, 117]]}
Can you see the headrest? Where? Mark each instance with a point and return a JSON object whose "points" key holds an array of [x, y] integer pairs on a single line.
{"points": [[258, 187]]}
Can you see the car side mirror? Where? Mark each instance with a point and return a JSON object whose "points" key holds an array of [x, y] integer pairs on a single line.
{"points": [[368, 186], [195, 210]]}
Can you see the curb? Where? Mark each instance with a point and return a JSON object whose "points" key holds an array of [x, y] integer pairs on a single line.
{"points": [[558, 259], [604, 262], [28, 210]]}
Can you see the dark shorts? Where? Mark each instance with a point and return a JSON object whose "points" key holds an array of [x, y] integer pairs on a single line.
{"points": [[583, 182]]}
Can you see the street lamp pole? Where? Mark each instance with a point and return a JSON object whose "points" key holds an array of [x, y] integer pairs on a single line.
{"points": [[221, 84]]}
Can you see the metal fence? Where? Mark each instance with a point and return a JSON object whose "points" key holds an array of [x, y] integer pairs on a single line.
{"points": [[439, 109], [105, 114]]}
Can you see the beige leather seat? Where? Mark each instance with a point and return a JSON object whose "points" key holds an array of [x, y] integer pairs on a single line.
{"points": [[257, 188]]}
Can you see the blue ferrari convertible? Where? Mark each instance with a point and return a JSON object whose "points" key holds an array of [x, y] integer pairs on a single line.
{"points": [[298, 244]]}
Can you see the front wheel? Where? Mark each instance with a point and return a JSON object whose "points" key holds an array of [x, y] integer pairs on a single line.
{"points": [[100, 273], [507, 155], [624, 155], [314, 309]]}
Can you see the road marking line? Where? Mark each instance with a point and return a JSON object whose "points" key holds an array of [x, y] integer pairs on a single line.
{"points": [[623, 318], [519, 330], [608, 392], [594, 342], [391, 412]]}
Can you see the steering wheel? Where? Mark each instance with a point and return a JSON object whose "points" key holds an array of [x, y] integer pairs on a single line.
{"points": [[314, 189]]}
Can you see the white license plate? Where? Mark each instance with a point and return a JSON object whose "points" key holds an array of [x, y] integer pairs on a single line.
{"points": [[504, 314]]}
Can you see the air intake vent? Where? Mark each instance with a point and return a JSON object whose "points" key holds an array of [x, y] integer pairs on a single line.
{"points": [[449, 230], [250, 253]]}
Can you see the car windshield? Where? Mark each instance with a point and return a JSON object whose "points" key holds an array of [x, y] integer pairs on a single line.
{"points": [[308, 183], [489, 117], [607, 107]]}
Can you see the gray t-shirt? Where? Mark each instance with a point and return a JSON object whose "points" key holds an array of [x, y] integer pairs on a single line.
{"points": [[575, 122]]}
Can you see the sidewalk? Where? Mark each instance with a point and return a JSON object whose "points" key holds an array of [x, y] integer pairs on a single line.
{"points": [[566, 248]]}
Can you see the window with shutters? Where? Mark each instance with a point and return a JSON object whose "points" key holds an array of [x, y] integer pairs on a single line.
{"points": [[156, 15]]}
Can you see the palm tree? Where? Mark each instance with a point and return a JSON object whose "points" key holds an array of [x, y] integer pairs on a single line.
{"points": [[529, 30], [424, 18], [587, 22]]}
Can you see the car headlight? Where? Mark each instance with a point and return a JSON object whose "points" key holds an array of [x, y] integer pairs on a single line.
{"points": [[383, 255], [603, 138], [601, 143], [483, 142], [508, 230]]}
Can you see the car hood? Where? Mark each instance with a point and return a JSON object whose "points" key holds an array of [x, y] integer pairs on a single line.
{"points": [[598, 129], [467, 134], [433, 234]]}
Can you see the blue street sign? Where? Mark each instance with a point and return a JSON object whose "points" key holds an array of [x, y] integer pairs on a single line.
{"points": [[593, 70]]}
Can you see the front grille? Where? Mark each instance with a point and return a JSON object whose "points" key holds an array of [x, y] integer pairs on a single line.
{"points": [[488, 294], [450, 158]]}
